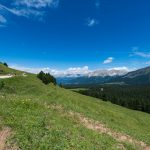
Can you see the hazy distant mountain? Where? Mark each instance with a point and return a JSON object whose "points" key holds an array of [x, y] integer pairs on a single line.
{"points": [[95, 77], [141, 76], [84, 80], [109, 72]]}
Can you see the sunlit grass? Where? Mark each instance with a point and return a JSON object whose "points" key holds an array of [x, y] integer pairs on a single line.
{"points": [[22, 108]]}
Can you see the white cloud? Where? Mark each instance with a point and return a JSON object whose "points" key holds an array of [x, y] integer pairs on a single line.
{"points": [[24, 12], [77, 71], [142, 54], [147, 63], [91, 22], [37, 3], [108, 60], [27, 12], [2, 19], [61, 73], [121, 68], [28, 8], [137, 52]]}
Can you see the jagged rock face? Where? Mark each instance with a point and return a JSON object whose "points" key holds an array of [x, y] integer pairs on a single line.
{"points": [[104, 73]]}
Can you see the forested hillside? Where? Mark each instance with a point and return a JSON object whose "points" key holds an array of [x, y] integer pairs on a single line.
{"points": [[133, 97]]}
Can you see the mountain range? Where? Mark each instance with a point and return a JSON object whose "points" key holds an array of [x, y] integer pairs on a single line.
{"points": [[140, 76]]}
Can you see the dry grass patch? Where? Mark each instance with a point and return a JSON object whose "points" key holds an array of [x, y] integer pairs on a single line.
{"points": [[4, 134]]}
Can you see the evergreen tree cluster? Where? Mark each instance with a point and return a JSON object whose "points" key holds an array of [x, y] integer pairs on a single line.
{"points": [[46, 78], [5, 64], [133, 97]]}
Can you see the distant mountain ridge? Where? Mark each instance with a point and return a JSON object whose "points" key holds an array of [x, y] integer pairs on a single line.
{"points": [[140, 76], [95, 77], [108, 72], [84, 80]]}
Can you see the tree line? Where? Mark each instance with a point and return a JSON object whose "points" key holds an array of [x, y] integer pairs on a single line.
{"points": [[46, 78], [4, 63], [133, 97]]}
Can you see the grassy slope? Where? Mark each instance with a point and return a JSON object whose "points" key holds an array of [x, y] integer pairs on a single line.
{"points": [[22, 107], [5, 70]]}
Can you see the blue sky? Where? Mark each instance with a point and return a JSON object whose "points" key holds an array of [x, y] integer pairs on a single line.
{"points": [[62, 34]]}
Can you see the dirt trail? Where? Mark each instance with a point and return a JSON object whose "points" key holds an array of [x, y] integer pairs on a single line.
{"points": [[4, 134], [101, 128], [97, 126], [6, 76]]}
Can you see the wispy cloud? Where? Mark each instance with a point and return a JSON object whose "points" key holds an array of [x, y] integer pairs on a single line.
{"points": [[3, 21], [77, 71], [147, 63], [137, 52], [122, 68], [142, 54], [108, 60], [36, 3], [25, 12], [28, 8], [91, 22], [74, 71]]}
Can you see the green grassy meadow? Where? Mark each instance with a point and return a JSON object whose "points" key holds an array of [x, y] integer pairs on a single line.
{"points": [[25, 107]]}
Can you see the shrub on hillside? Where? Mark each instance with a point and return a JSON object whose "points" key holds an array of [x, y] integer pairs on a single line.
{"points": [[46, 78]]}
